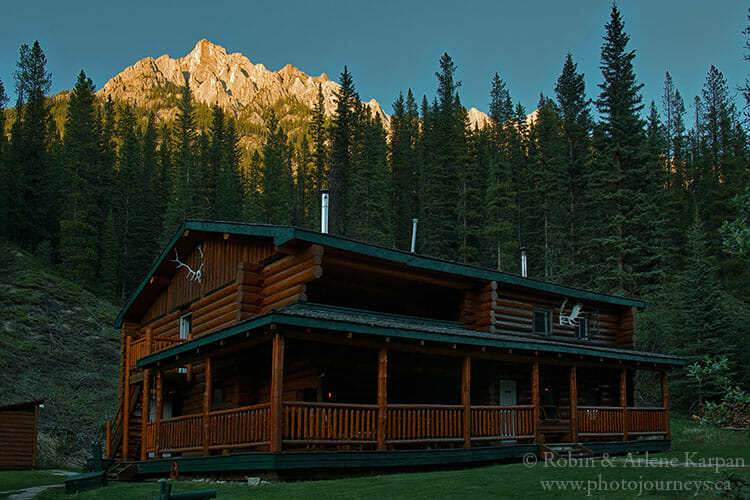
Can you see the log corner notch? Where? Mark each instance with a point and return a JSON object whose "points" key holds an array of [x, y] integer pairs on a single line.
{"points": [[479, 307], [284, 281], [626, 329]]}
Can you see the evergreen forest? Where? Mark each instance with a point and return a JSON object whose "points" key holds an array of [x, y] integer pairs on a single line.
{"points": [[602, 190]]}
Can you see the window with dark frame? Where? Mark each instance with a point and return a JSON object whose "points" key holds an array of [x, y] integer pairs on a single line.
{"points": [[582, 329], [543, 321]]}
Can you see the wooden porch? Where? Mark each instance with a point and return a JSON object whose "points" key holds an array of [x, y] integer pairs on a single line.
{"points": [[281, 424]]}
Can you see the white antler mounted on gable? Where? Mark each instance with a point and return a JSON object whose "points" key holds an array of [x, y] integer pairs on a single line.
{"points": [[572, 318], [191, 274]]}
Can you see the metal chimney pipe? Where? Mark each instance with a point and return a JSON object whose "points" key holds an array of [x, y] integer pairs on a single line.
{"points": [[524, 268], [413, 234], [324, 211]]}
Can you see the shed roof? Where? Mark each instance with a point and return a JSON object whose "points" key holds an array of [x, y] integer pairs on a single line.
{"points": [[286, 234], [345, 320]]}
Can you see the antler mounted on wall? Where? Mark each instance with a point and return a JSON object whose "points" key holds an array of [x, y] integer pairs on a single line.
{"points": [[192, 275], [572, 318]]}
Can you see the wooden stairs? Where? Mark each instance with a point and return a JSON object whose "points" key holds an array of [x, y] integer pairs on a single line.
{"points": [[122, 471]]}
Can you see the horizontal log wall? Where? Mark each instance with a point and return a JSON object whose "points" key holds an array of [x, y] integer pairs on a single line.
{"points": [[17, 440], [514, 315], [285, 280]]}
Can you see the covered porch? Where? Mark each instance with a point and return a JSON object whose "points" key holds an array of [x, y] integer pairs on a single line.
{"points": [[346, 389]]}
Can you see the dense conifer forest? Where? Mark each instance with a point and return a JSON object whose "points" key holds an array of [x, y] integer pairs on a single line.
{"points": [[606, 192]]}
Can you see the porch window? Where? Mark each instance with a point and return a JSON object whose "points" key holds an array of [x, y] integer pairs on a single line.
{"points": [[582, 330], [543, 321]]}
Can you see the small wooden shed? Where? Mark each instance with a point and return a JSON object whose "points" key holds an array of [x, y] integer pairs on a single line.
{"points": [[18, 431]]}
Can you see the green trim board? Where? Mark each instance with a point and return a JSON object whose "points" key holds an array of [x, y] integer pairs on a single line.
{"points": [[317, 460], [285, 234], [344, 320]]}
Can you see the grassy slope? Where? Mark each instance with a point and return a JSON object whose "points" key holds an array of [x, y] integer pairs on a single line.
{"points": [[56, 344], [494, 481]]}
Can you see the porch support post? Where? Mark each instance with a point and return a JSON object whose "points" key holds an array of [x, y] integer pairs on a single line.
{"points": [[573, 404], [624, 401], [277, 383], [382, 397], [535, 397], [126, 402], [159, 412], [665, 402], [208, 390], [466, 399], [146, 400]]}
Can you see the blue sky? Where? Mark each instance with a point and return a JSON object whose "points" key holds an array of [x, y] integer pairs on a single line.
{"points": [[390, 46]]}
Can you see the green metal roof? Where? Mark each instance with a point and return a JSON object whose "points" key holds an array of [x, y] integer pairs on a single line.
{"points": [[345, 320], [285, 234]]}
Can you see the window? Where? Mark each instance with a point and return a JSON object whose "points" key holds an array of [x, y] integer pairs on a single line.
{"points": [[186, 327], [582, 330], [543, 321]]}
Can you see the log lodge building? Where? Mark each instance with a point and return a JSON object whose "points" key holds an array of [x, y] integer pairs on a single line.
{"points": [[257, 347]]}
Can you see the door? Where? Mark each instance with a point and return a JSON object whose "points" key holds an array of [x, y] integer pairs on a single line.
{"points": [[508, 398]]}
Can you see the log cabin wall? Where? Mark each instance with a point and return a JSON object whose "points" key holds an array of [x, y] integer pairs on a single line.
{"points": [[514, 315], [228, 291]]}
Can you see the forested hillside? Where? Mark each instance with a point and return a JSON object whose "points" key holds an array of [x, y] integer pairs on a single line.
{"points": [[604, 191]]}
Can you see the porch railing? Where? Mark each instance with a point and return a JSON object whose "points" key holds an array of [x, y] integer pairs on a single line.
{"points": [[647, 421], [144, 346], [244, 427], [320, 423], [336, 423], [607, 421], [502, 422], [420, 423]]}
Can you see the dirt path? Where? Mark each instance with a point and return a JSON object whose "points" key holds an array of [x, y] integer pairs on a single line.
{"points": [[30, 493]]}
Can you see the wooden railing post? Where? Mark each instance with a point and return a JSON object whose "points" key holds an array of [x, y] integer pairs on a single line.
{"points": [[149, 341], [382, 421], [207, 403], [108, 446], [535, 398], [466, 400], [573, 404], [277, 385], [159, 412], [624, 401], [146, 400], [665, 402], [126, 401]]}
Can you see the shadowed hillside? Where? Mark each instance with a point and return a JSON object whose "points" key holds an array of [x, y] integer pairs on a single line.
{"points": [[56, 344]]}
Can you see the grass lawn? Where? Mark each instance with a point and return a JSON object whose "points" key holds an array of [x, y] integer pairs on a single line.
{"points": [[622, 478], [16, 480]]}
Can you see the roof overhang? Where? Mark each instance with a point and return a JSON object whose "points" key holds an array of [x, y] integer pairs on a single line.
{"points": [[331, 319]]}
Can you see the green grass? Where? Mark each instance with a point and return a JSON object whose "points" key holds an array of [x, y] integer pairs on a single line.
{"points": [[499, 481], [16, 480]]}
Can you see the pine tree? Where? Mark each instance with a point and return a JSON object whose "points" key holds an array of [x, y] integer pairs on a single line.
{"points": [[404, 166], [81, 221], [3, 172], [501, 197], [277, 193], [714, 327], [546, 195], [223, 161], [186, 200], [473, 191], [305, 204], [33, 208], [577, 123], [341, 131], [369, 209], [439, 199], [620, 188], [319, 138]]}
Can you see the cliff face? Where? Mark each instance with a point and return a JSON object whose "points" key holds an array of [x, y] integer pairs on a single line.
{"points": [[230, 80]]}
